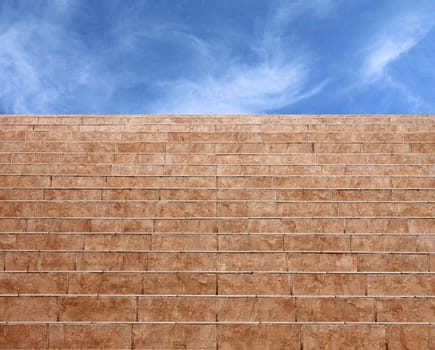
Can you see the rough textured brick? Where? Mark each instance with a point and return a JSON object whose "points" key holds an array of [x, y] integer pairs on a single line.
{"points": [[259, 337], [393, 262], [251, 242], [252, 262], [181, 309], [183, 242], [317, 242], [343, 337], [39, 261], [405, 310], [28, 308], [104, 283], [90, 336], [149, 336], [335, 309], [254, 284], [111, 261], [23, 336], [179, 283], [329, 284], [33, 283], [117, 242], [181, 262], [403, 284], [97, 309], [322, 262], [243, 309], [409, 337]]}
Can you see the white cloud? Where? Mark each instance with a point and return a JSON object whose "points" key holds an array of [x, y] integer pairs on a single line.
{"points": [[277, 78], [397, 39]]}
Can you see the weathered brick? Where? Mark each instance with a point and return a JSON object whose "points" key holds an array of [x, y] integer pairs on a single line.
{"points": [[329, 284], [107, 309], [23, 336], [22, 308], [104, 283], [179, 283], [403, 284], [254, 284], [409, 337]]}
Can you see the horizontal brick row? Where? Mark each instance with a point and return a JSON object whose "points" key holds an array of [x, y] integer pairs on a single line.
{"points": [[133, 194], [369, 149], [214, 225], [400, 160], [218, 136], [221, 242], [213, 182], [222, 309], [221, 119], [136, 283], [197, 261], [162, 209]]}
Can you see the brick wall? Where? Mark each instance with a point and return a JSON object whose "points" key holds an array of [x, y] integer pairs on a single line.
{"points": [[217, 232]]}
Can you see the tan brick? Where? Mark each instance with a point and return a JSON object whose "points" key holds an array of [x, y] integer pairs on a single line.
{"points": [[136, 169], [21, 194], [28, 308], [186, 225], [417, 209], [394, 243], [363, 195], [78, 181], [392, 262], [425, 243], [141, 147], [304, 195], [258, 337], [252, 262], [355, 182], [104, 283], [288, 147], [179, 283], [412, 182], [17, 208], [251, 242], [243, 209], [241, 170], [300, 182], [422, 225], [91, 147], [321, 262], [112, 261], [23, 336], [242, 309], [338, 147], [183, 242], [37, 261], [129, 182], [33, 283], [193, 170], [58, 225], [254, 284], [64, 209], [376, 225], [403, 284], [307, 209], [413, 195], [422, 147], [176, 309], [12, 225], [117, 242], [8, 241], [316, 337], [89, 336], [107, 309], [359, 209], [386, 147], [176, 336], [188, 194], [192, 159], [335, 309], [244, 182], [409, 337], [120, 225], [66, 194], [312, 225], [187, 182], [328, 284], [317, 242], [129, 194], [177, 147], [405, 310], [12, 135], [181, 261], [186, 209], [238, 194], [50, 242]]}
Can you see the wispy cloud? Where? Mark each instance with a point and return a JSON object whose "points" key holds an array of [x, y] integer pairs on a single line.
{"points": [[276, 78], [394, 41]]}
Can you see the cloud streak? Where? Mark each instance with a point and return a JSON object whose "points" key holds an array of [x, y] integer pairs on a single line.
{"points": [[400, 37]]}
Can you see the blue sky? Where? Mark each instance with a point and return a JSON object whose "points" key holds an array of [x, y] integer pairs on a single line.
{"points": [[217, 56]]}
